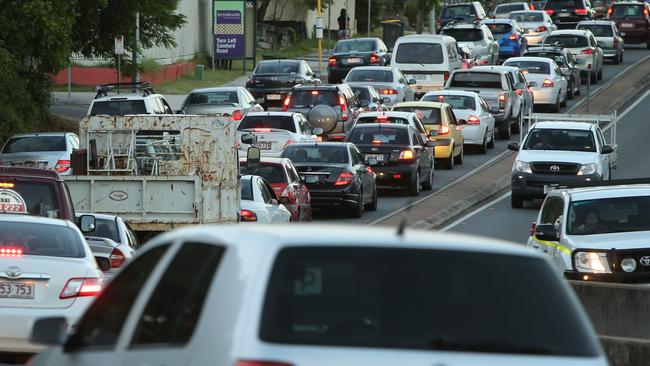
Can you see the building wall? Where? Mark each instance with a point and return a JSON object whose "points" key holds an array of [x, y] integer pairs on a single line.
{"points": [[293, 10]]}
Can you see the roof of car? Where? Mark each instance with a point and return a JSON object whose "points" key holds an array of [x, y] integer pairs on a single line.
{"points": [[495, 69], [319, 143], [359, 39], [598, 21], [382, 125], [387, 113], [573, 32], [462, 26], [386, 68], [36, 134], [424, 37], [527, 11], [499, 21], [627, 3], [34, 219], [320, 87], [564, 125], [98, 216], [278, 60], [531, 58], [451, 92], [420, 104], [29, 172], [599, 192], [216, 89], [130, 96]]}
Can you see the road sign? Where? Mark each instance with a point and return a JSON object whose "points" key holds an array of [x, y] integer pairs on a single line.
{"points": [[119, 45]]}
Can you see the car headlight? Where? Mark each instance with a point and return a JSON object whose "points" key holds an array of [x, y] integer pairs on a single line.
{"points": [[586, 169], [594, 262], [521, 167]]}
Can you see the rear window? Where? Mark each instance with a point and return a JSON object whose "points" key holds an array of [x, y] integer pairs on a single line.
{"points": [[119, 107], [564, 4], [40, 198], [382, 76], [384, 135], [382, 119], [476, 80], [355, 46], [105, 228], [362, 93], [267, 122], [530, 67], [211, 98], [305, 98], [455, 101], [598, 30], [499, 28], [273, 173], [40, 240], [567, 40], [627, 11], [414, 299], [317, 154], [277, 67], [247, 189], [458, 11], [508, 8], [419, 53], [34, 143], [428, 115], [464, 35], [527, 17], [555, 56]]}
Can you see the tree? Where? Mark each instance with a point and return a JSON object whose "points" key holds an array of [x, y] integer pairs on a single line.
{"points": [[377, 9], [418, 9]]}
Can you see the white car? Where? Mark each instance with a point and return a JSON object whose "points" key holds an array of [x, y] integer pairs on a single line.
{"points": [[597, 233], [537, 25], [402, 118], [45, 150], [259, 203], [502, 11], [389, 82], [140, 98], [478, 38], [545, 79], [330, 295], [478, 129], [275, 131], [583, 45], [232, 101], [46, 270]]}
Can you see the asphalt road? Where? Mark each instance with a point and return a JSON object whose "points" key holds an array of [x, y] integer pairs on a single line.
{"points": [[389, 201], [498, 220]]}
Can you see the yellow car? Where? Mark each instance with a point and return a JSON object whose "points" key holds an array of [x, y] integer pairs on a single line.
{"points": [[439, 117]]}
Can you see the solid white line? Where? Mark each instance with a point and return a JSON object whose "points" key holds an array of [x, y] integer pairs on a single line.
{"points": [[633, 105], [478, 210]]}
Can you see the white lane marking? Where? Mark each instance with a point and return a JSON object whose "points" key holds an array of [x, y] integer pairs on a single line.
{"points": [[478, 210], [628, 110]]}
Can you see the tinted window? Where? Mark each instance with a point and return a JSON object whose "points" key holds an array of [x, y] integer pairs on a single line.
{"points": [[384, 135], [530, 67], [419, 53], [464, 34], [119, 108], [457, 11], [564, 4], [428, 116], [355, 46], [557, 57], [34, 143], [508, 8], [421, 299], [382, 119], [102, 323], [317, 154], [40, 198], [362, 94], [41, 240], [247, 189], [627, 11], [173, 311], [277, 67], [609, 215], [455, 101], [499, 29], [527, 17], [370, 76], [211, 98], [267, 122], [599, 30], [273, 173], [476, 80], [105, 228], [567, 140], [568, 40], [309, 98]]}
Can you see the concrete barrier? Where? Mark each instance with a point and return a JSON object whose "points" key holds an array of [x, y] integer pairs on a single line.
{"points": [[626, 351]]}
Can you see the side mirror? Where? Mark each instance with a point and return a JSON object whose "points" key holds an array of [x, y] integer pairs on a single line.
{"points": [[513, 146], [412, 81], [433, 133], [607, 149], [316, 76], [284, 200], [248, 139], [51, 331], [103, 263], [430, 143], [494, 110], [385, 100], [622, 34], [253, 158], [461, 122], [87, 223], [546, 232], [372, 161], [318, 131]]}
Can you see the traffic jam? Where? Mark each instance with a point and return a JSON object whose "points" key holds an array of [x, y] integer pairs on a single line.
{"points": [[140, 240]]}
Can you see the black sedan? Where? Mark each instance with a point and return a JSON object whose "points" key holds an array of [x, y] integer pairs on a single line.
{"points": [[404, 159], [355, 52], [336, 174], [272, 80]]}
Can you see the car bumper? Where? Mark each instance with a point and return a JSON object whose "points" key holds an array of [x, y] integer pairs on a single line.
{"points": [[261, 95], [530, 186], [443, 150], [17, 324], [545, 95], [635, 35], [264, 153], [394, 175], [473, 135], [332, 198], [610, 52], [534, 39], [634, 277]]}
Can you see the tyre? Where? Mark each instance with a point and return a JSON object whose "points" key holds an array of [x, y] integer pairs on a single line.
{"points": [[563, 103], [514, 127], [617, 59], [482, 149], [414, 185], [579, 81], [593, 77], [459, 159], [599, 76], [490, 144], [504, 131], [357, 211], [516, 201], [448, 163], [372, 206], [428, 185], [555, 108], [569, 93]]}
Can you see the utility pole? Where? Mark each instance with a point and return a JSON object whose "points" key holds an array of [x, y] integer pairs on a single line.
{"points": [[369, 7], [135, 48], [432, 21], [319, 35], [329, 26]]}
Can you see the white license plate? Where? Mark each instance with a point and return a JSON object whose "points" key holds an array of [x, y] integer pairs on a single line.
{"points": [[563, 14], [274, 96], [310, 178], [549, 188], [378, 157], [627, 25], [16, 290], [355, 60], [264, 145]]}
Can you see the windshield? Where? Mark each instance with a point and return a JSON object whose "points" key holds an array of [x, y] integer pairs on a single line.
{"points": [[41, 239], [568, 40], [530, 67], [382, 119], [273, 173], [415, 299], [383, 76], [317, 154], [509, 8], [277, 67], [609, 215], [555, 139], [563, 4], [527, 17], [464, 35], [212, 98], [499, 29], [119, 107], [428, 115], [355, 46], [476, 80], [380, 135], [267, 122], [34, 143], [308, 98], [105, 228], [419, 53], [455, 101], [598, 30], [458, 11], [627, 11]]}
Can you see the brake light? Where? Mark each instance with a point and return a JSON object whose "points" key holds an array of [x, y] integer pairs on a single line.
{"points": [[588, 51], [332, 61], [549, 11], [519, 91], [532, 228], [237, 115], [609, 11], [261, 130], [261, 363], [247, 216], [502, 101], [285, 105], [116, 258], [581, 11], [382, 117], [7, 185], [374, 59], [473, 120], [344, 179], [78, 287], [376, 142], [62, 166], [645, 11], [406, 155], [548, 83], [11, 252], [532, 7], [443, 130], [389, 91], [344, 108], [446, 75], [513, 37], [289, 142], [541, 28], [441, 98]]}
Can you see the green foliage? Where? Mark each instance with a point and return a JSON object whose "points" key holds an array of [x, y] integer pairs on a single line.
{"points": [[377, 10], [417, 10]]}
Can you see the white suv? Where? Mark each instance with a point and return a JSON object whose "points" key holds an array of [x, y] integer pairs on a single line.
{"points": [[141, 100], [478, 38]]}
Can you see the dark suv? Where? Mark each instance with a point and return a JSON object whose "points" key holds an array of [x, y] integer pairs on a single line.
{"points": [[330, 107], [272, 80], [632, 20], [349, 53], [566, 14]]}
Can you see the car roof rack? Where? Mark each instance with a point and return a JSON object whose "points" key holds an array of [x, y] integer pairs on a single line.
{"points": [[141, 86]]}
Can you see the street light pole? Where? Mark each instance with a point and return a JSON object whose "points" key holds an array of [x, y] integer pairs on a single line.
{"points": [[369, 7], [137, 43]]}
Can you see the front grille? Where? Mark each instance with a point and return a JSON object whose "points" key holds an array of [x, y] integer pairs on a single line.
{"points": [[616, 256], [555, 168]]}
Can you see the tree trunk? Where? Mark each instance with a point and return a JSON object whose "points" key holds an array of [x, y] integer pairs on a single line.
{"points": [[261, 12], [419, 25]]}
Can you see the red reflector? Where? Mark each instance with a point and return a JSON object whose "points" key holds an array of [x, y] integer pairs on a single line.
{"points": [[397, 176], [588, 51], [581, 11], [116, 258], [519, 91], [337, 137], [261, 130], [237, 115], [247, 216], [502, 98], [62, 166], [261, 363], [332, 61], [344, 179], [77, 287], [473, 120], [7, 185], [548, 83], [549, 11]]}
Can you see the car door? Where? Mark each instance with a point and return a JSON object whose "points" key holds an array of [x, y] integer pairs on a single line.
{"points": [[517, 100], [550, 213], [455, 129], [423, 154], [271, 205], [406, 91], [361, 170], [300, 188], [557, 74]]}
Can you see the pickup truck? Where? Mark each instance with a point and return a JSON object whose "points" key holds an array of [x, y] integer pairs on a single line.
{"points": [[158, 172]]}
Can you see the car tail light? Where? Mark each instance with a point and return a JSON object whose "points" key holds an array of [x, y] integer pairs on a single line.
{"points": [[443, 130], [62, 166], [389, 91], [446, 75], [376, 142], [374, 59], [406, 155], [548, 83], [289, 142], [645, 12], [11, 252], [532, 7], [285, 105], [588, 51], [261, 130], [288, 192], [473, 120], [344, 108], [513, 37], [116, 258], [615, 43], [532, 228], [549, 11], [541, 28], [502, 101], [332, 61], [237, 115], [261, 363], [344, 179], [519, 91], [78, 287], [247, 216], [441, 98], [609, 11], [581, 11], [7, 185]]}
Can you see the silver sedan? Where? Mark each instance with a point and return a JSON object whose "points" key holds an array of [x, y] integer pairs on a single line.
{"points": [[46, 150], [607, 36], [234, 101], [545, 79], [537, 25], [389, 82]]}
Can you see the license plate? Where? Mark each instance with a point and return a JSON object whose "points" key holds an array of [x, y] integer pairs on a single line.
{"points": [[355, 60], [418, 76], [627, 25], [548, 188], [310, 178], [16, 290], [378, 157], [563, 14], [274, 96], [264, 145]]}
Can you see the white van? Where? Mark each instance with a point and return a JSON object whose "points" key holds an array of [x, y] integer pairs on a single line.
{"points": [[427, 59]]}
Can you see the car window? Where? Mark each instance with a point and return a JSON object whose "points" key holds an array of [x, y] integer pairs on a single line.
{"points": [[307, 98], [102, 323], [627, 10], [355, 158], [552, 210], [499, 29], [222, 97], [559, 139], [267, 196], [419, 53], [599, 30], [105, 228], [528, 17], [530, 67], [563, 4], [383, 76], [247, 189], [274, 173], [568, 40], [316, 154], [277, 67], [379, 135], [355, 46], [476, 80], [40, 198], [174, 309], [34, 144], [31, 239], [428, 115], [508, 8], [401, 298], [265, 123], [416, 139], [609, 215], [464, 34], [118, 107], [455, 101], [457, 11]]}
